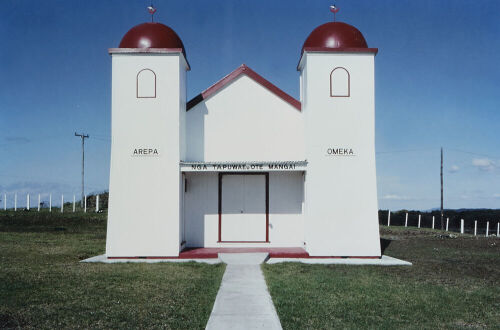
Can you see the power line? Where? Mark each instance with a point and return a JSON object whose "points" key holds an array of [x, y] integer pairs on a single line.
{"points": [[83, 137], [101, 135], [442, 215], [105, 140], [28, 140], [433, 149], [401, 151], [472, 153]]}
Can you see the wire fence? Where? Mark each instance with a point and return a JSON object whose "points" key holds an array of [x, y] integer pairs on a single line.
{"points": [[53, 203], [474, 222]]}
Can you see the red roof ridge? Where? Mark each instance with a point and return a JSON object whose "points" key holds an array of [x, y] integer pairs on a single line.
{"points": [[242, 69]]}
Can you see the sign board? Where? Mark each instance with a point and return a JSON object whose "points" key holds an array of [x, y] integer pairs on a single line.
{"points": [[243, 167]]}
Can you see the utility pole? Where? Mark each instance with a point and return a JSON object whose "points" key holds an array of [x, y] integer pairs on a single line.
{"points": [[442, 219], [83, 137]]}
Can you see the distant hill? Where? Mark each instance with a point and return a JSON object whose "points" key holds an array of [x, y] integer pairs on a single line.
{"points": [[459, 210]]}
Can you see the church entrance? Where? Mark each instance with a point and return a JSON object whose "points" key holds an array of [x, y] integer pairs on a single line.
{"points": [[243, 207]]}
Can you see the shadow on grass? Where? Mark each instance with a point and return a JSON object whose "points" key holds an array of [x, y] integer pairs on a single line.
{"points": [[384, 244]]}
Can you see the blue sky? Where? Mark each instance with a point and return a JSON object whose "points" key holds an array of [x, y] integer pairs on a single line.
{"points": [[437, 84]]}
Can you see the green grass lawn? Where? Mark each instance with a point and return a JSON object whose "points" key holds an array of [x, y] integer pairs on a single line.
{"points": [[43, 284], [453, 283]]}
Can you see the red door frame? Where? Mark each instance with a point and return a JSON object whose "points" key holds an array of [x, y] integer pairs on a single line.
{"points": [[266, 174]]}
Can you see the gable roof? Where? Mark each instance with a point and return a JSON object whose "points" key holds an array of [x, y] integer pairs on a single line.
{"points": [[242, 69]]}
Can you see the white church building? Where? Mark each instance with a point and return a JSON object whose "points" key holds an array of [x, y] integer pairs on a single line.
{"points": [[243, 164]]}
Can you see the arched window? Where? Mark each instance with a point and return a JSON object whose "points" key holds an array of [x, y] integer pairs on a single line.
{"points": [[146, 84], [340, 83]]}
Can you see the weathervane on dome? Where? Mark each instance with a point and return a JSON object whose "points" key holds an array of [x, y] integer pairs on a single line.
{"points": [[152, 11], [334, 9]]}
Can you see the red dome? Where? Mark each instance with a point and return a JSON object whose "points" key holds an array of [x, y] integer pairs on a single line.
{"points": [[151, 35], [335, 35]]}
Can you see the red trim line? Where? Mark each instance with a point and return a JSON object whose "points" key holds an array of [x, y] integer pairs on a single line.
{"points": [[144, 258], [143, 50], [244, 242], [242, 69], [149, 51], [220, 207], [337, 257], [339, 50], [373, 51], [267, 207], [272, 254]]}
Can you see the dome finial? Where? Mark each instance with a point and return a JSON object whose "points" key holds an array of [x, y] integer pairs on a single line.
{"points": [[334, 9], [152, 11]]}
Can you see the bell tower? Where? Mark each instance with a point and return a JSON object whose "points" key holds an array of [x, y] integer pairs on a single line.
{"points": [[148, 135], [338, 101]]}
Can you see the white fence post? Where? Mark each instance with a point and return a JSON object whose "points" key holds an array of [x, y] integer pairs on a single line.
{"points": [[475, 227], [38, 203], [28, 202], [447, 222], [419, 217], [15, 202], [487, 228], [389, 218], [97, 203], [432, 222], [461, 226], [50, 202], [74, 203], [498, 229], [85, 204], [62, 203], [5, 202], [406, 220]]}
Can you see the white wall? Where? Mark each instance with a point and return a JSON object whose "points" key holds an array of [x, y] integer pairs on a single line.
{"points": [[244, 121], [286, 204], [182, 156], [286, 228], [201, 209], [341, 196], [144, 202]]}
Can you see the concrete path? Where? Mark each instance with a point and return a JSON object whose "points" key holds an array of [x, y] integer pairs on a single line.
{"points": [[243, 301], [384, 261], [102, 258], [232, 258]]}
